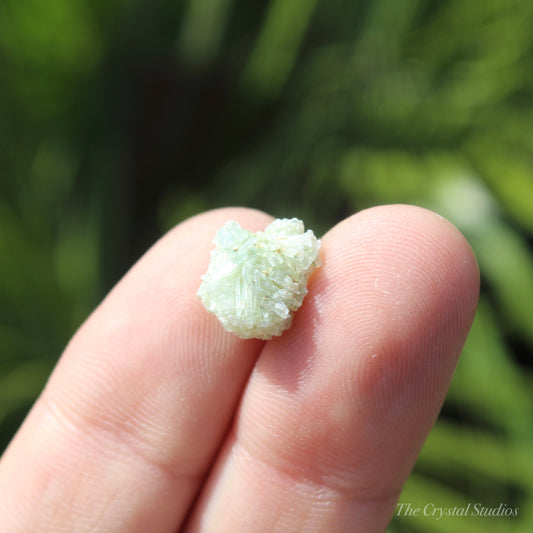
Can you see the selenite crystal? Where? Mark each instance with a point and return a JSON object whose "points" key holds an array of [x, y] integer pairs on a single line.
{"points": [[255, 281]]}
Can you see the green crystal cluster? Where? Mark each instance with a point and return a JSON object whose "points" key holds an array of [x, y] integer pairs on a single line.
{"points": [[256, 281]]}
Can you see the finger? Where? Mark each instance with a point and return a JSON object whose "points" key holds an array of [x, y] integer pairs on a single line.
{"points": [[133, 414], [336, 410]]}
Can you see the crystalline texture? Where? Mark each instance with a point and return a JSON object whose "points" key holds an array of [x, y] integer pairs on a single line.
{"points": [[255, 281]]}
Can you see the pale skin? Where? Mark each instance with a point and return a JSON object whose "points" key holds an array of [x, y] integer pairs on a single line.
{"points": [[157, 420]]}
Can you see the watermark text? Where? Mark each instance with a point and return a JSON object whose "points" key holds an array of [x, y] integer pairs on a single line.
{"points": [[438, 512]]}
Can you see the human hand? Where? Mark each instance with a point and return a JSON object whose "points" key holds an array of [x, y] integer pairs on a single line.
{"points": [[157, 420]]}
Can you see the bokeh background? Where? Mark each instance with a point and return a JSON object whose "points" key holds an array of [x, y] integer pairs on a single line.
{"points": [[118, 119]]}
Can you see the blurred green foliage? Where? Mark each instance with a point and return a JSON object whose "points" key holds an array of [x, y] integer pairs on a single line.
{"points": [[119, 119]]}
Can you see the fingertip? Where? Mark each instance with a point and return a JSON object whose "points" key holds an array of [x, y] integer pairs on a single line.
{"points": [[149, 385], [378, 336], [382, 250]]}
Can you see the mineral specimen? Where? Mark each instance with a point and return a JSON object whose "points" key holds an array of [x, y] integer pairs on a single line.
{"points": [[255, 281]]}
